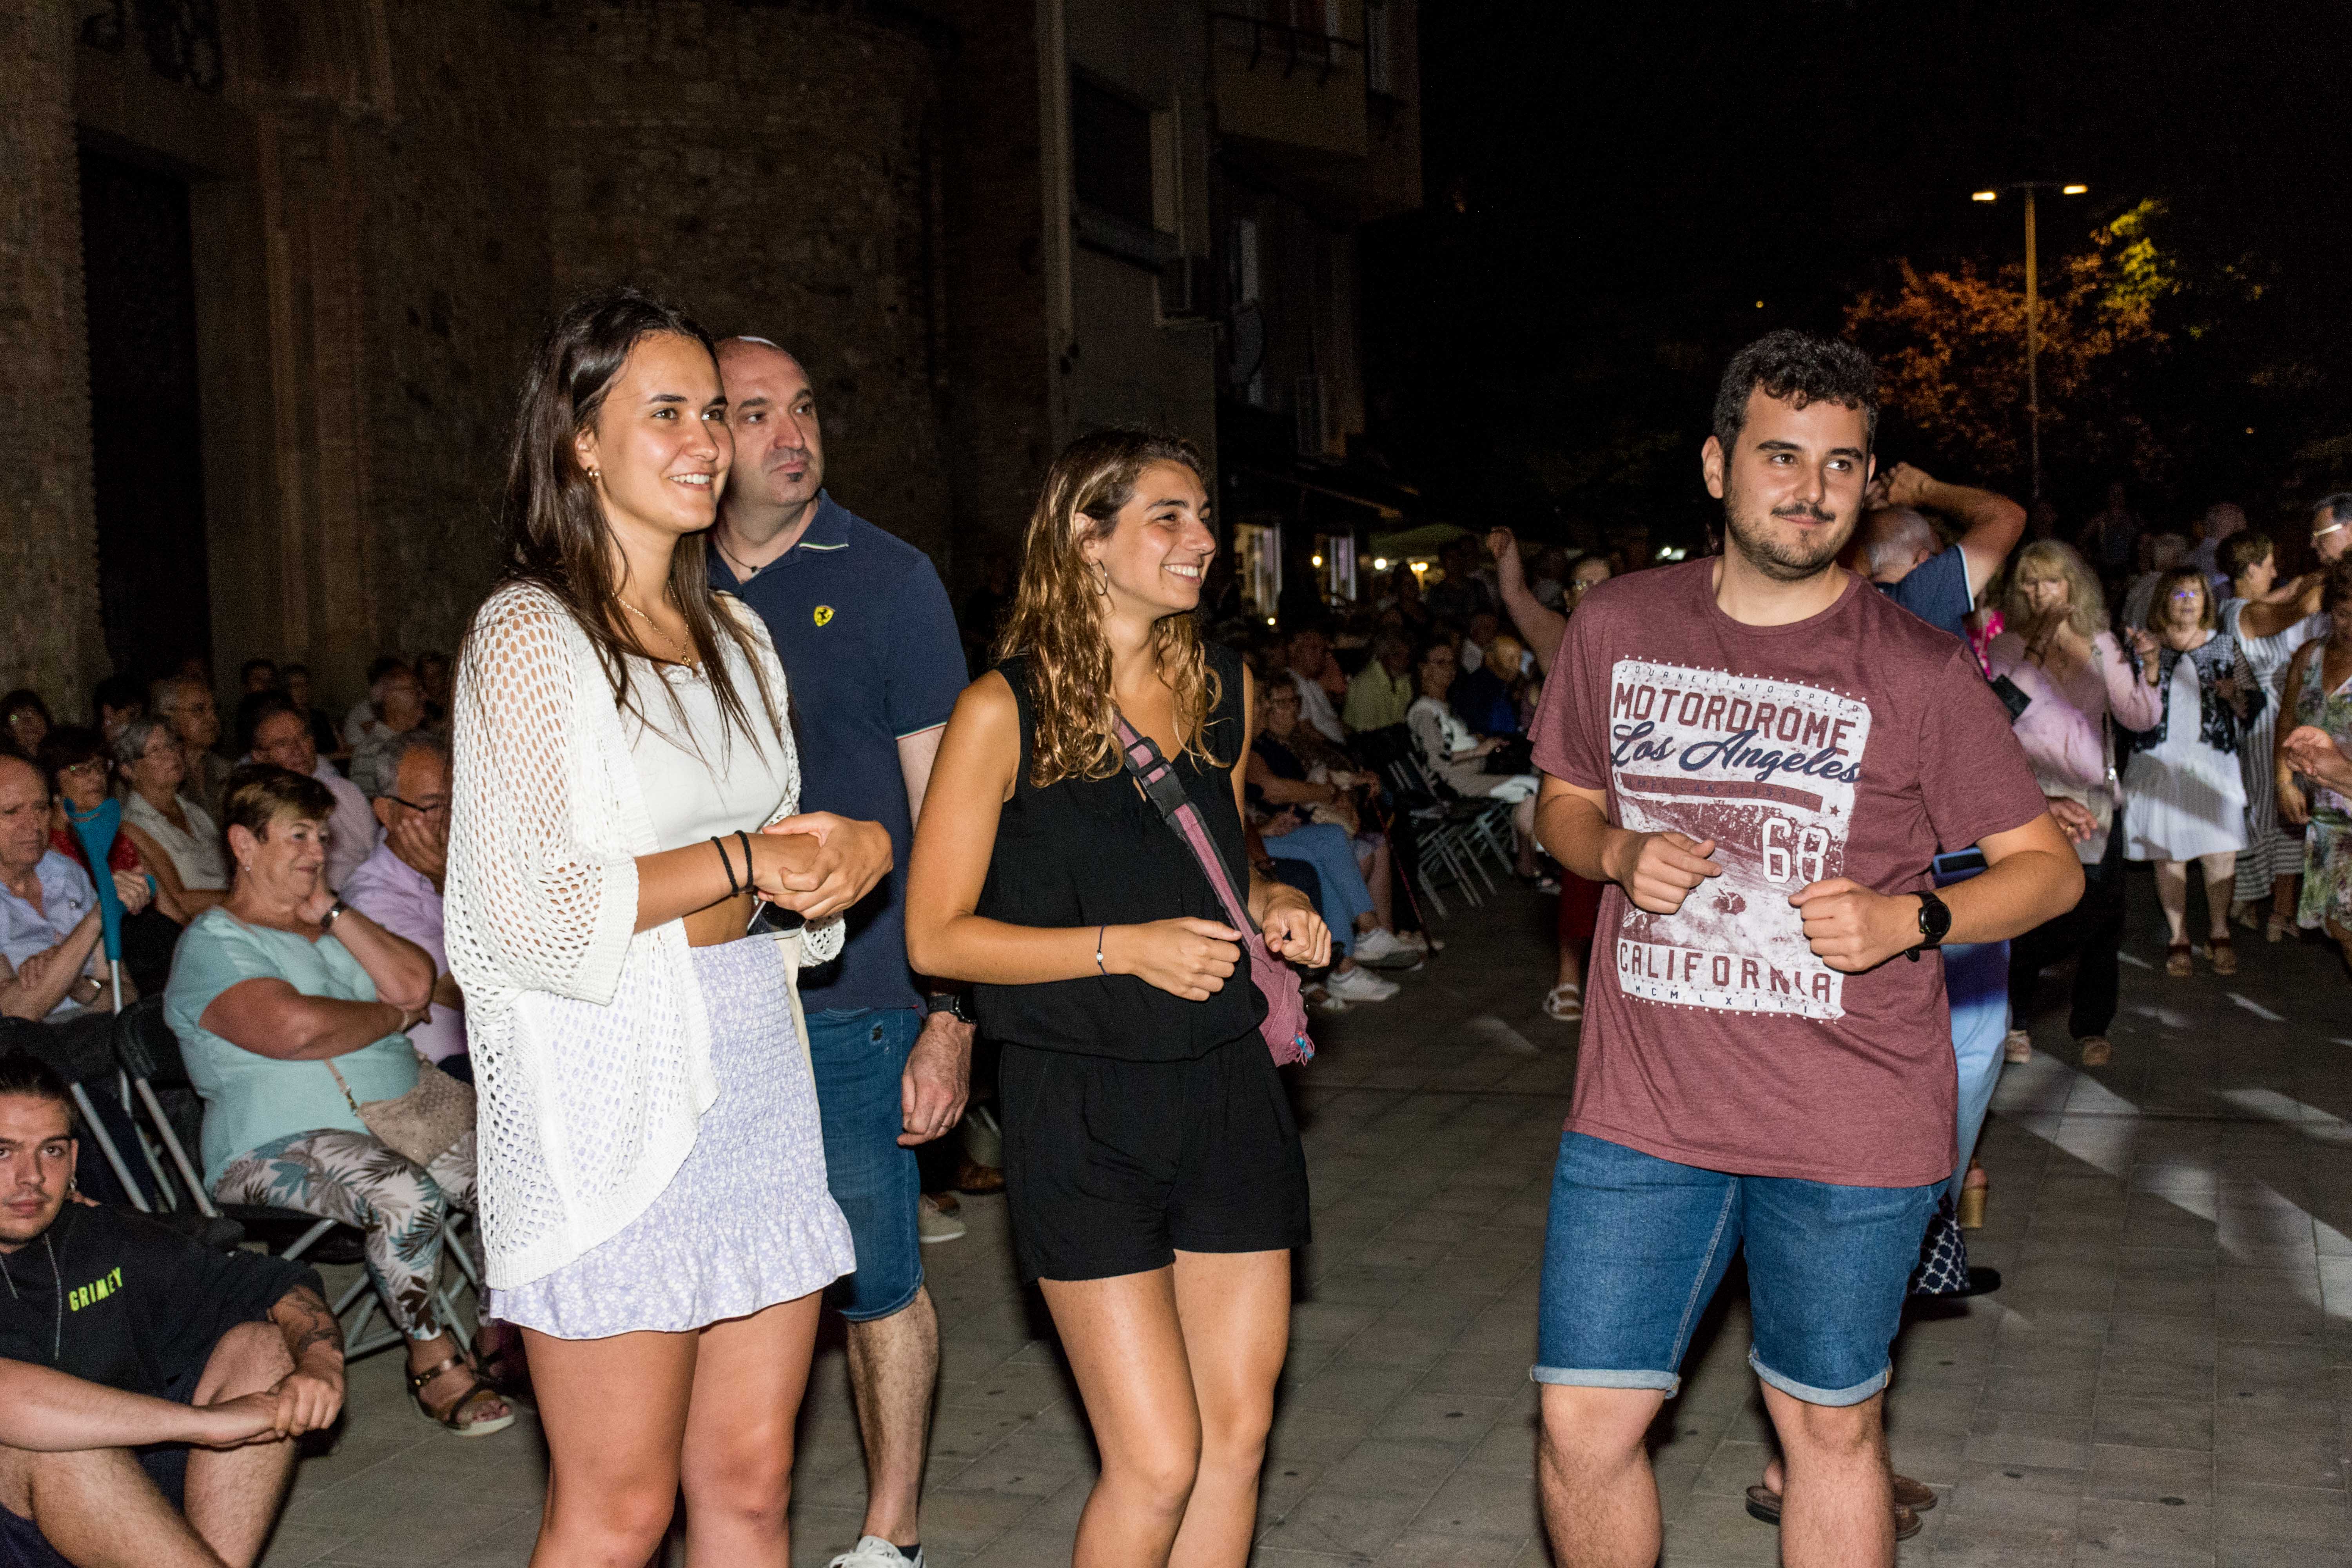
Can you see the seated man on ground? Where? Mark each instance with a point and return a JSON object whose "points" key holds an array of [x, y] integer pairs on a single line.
{"points": [[149, 1386]]}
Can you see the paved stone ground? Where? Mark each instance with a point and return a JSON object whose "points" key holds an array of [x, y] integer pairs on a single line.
{"points": [[2165, 1378]]}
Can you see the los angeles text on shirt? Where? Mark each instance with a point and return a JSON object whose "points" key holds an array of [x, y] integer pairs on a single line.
{"points": [[1767, 769]]}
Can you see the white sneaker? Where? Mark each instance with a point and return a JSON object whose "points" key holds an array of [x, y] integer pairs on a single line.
{"points": [[873, 1551], [930, 1225], [1359, 984], [1384, 950]]}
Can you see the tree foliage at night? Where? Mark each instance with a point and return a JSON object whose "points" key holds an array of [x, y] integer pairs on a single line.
{"points": [[1950, 346]]}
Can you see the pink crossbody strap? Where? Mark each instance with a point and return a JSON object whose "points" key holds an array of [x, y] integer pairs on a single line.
{"points": [[1286, 1019]]}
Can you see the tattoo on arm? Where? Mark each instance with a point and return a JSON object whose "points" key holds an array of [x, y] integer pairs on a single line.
{"points": [[303, 1317]]}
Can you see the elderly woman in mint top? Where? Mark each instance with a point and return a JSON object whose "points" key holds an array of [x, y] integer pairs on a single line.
{"points": [[654, 1195], [284, 1000]]}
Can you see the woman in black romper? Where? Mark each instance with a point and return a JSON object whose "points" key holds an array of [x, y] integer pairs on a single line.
{"points": [[1154, 1172]]}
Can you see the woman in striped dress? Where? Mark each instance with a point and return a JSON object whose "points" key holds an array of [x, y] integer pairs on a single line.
{"points": [[2269, 627]]}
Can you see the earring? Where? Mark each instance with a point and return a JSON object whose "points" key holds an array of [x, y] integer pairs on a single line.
{"points": [[595, 476], [1102, 579]]}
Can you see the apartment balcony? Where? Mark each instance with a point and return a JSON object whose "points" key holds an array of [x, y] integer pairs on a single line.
{"points": [[1320, 97]]}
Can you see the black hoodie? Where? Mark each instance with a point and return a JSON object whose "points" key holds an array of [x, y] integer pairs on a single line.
{"points": [[112, 1297]]}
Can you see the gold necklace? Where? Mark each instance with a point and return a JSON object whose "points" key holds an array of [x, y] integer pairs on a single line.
{"points": [[686, 658]]}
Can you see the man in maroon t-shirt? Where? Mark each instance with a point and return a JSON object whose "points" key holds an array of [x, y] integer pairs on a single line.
{"points": [[1761, 754]]}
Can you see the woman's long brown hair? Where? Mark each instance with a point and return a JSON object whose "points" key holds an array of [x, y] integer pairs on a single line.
{"points": [[1057, 619], [558, 538]]}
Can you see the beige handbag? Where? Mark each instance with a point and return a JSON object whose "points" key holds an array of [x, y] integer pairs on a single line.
{"points": [[422, 1124]]}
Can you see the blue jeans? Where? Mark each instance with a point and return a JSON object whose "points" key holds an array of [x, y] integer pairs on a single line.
{"points": [[1637, 1246], [1976, 979], [859, 1056], [1327, 846]]}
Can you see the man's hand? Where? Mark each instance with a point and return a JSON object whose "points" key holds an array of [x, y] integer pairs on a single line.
{"points": [[130, 887], [34, 972], [938, 1079], [2071, 816], [1657, 870], [2313, 751], [417, 841], [309, 1398], [1510, 572], [1851, 929], [236, 1423], [1907, 486]]}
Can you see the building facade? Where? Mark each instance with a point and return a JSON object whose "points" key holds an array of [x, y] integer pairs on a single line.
{"points": [[272, 268]]}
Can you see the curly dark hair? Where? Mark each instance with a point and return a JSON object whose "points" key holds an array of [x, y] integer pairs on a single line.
{"points": [[1801, 368]]}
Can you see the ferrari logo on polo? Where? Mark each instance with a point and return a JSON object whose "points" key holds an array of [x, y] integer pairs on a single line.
{"points": [[824, 613]]}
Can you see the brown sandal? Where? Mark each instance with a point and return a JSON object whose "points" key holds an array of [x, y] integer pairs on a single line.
{"points": [[454, 1420], [2224, 955], [2176, 960]]}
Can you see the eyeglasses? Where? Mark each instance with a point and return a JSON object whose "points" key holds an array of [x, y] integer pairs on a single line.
{"points": [[2319, 533], [76, 769], [420, 810]]}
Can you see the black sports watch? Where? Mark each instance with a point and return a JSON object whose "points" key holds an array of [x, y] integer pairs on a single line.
{"points": [[950, 1002], [1934, 921]]}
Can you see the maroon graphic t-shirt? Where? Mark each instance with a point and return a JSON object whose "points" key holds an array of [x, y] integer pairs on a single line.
{"points": [[1851, 745]]}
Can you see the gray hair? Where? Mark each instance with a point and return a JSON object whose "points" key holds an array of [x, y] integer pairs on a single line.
{"points": [[1897, 535], [131, 745], [2339, 507]]}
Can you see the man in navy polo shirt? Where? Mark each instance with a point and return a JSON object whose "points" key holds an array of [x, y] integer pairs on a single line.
{"points": [[870, 650]]}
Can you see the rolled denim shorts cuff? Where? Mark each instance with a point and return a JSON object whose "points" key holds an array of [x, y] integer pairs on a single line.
{"points": [[1832, 1398], [876, 1315], [1666, 1382]]}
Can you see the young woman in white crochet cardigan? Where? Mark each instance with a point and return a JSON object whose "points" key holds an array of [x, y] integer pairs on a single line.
{"points": [[652, 1181]]}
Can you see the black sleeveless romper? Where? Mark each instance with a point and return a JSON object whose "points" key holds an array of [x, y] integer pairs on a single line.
{"points": [[1136, 1124]]}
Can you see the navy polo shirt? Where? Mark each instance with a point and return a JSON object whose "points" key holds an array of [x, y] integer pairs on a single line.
{"points": [[870, 651], [1937, 591]]}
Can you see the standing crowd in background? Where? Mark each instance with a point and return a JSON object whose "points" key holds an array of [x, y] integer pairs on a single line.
{"points": [[636, 966]]}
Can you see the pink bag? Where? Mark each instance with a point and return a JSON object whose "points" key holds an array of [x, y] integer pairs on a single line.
{"points": [[1286, 1014]]}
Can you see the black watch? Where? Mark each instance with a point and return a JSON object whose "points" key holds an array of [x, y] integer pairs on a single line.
{"points": [[1934, 921], [948, 1002]]}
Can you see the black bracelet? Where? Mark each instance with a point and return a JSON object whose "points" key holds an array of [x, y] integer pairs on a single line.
{"points": [[732, 887], [749, 885]]}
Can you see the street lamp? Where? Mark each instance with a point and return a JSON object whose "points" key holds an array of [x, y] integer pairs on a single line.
{"points": [[2032, 310]]}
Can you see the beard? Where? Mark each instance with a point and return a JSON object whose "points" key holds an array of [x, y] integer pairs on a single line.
{"points": [[1783, 561]]}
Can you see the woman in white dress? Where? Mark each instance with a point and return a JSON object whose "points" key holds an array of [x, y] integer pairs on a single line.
{"points": [[2184, 795], [651, 1179], [2270, 622]]}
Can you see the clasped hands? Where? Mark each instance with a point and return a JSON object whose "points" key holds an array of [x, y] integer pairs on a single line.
{"points": [[1193, 958], [1848, 926], [816, 863]]}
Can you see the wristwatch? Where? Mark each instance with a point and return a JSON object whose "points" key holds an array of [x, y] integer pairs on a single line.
{"points": [[948, 1002], [334, 912], [1935, 920]]}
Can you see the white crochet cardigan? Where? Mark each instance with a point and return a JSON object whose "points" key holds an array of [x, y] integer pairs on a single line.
{"points": [[590, 1044]]}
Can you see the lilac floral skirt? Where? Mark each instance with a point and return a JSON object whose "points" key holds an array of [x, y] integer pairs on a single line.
{"points": [[747, 1221]]}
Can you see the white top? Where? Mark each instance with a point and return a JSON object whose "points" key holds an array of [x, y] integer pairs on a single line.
{"points": [[197, 855], [1314, 706], [579, 1130], [700, 780]]}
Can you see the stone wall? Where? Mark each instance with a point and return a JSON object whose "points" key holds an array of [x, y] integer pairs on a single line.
{"points": [[773, 170], [48, 539]]}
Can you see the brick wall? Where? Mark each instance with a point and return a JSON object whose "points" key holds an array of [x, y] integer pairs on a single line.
{"points": [[770, 170], [48, 538]]}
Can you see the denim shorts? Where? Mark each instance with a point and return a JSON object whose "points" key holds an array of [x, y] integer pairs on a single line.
{"points": [[1637, 1245], [859, 1056]]}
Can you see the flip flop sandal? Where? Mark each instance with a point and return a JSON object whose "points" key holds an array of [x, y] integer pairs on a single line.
{"points": [[1564, 1004], [2225, 954], [454, 1421], [2176, 960], [1764, 1503]]}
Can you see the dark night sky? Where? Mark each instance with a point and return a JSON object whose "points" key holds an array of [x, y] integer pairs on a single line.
{"points": [[1611, 190]]}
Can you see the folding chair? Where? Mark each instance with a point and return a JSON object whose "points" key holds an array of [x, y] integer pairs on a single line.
{"points": [[148, 1053]]}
